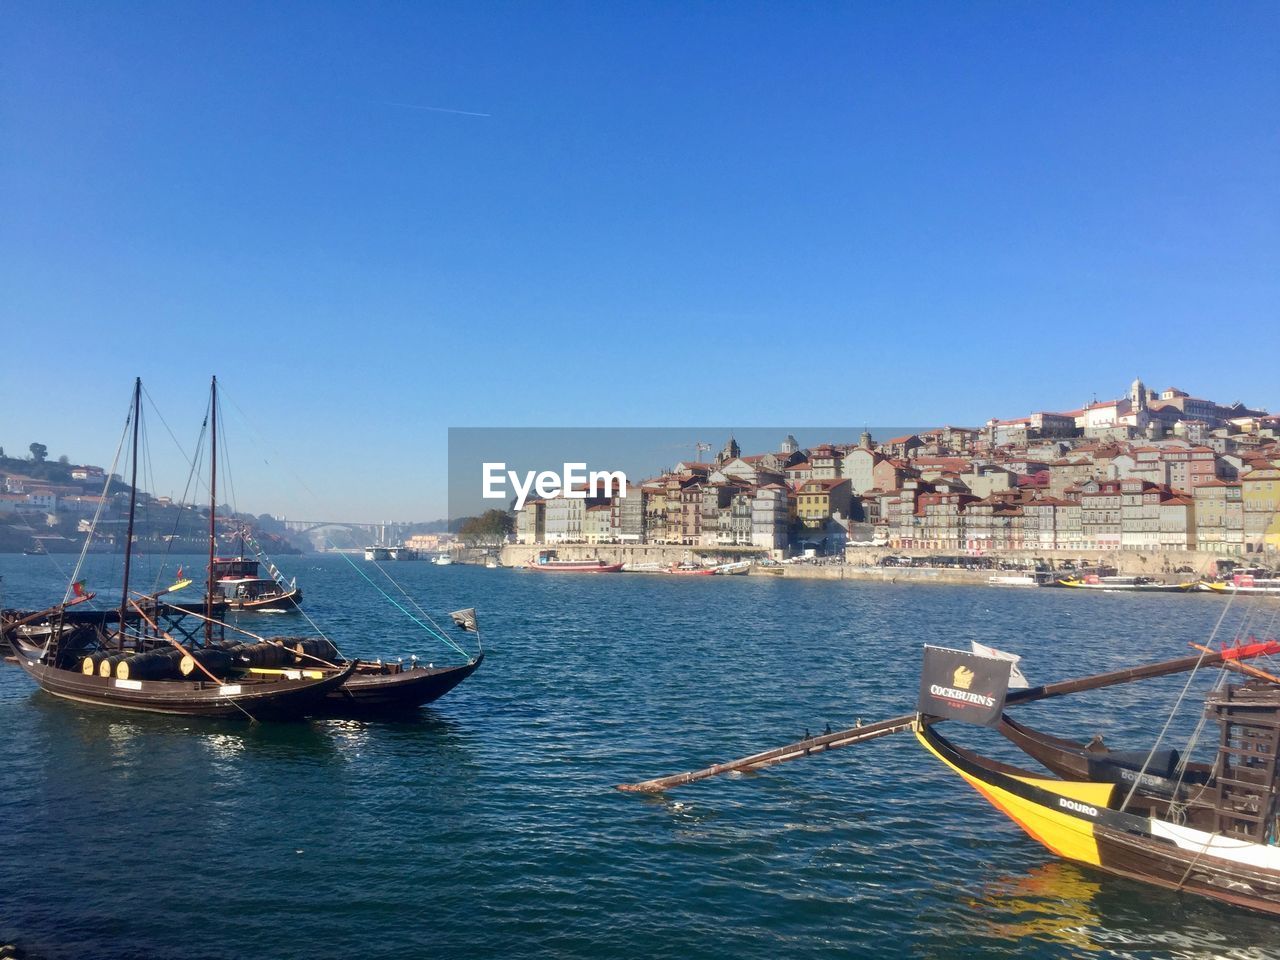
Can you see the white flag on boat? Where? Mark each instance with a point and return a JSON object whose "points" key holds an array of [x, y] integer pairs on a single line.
{"points": [[466, 619], [1016, 679]]}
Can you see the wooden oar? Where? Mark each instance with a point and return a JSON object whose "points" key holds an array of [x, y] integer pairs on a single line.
{"points": [[872, 731]]}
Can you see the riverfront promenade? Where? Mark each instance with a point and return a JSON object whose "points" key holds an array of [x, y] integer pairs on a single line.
{"points": [[1175, 566]]}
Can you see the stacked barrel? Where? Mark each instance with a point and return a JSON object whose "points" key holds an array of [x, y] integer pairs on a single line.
{"points": [[170, 663]]}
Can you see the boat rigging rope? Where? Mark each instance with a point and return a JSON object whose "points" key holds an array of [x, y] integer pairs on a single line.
{"points": [[97, 514], [395, 603], [417, 606], [1199, 728], [193, 467]]}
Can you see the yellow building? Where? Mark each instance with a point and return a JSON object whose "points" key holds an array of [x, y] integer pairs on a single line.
{"points": [[1260, 493], [819, 500]]}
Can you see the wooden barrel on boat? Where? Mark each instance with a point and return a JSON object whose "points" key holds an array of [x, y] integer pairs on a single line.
{"points": [[89, 665], [107, 665], [310, 649], [155, 665], [217, 662], [261, 654]]}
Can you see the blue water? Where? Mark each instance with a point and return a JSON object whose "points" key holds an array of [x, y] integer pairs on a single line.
{"points": [[489, 826]]}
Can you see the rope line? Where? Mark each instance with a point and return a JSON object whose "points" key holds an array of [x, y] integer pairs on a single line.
{"points": [[395, 603], [417, 606]]}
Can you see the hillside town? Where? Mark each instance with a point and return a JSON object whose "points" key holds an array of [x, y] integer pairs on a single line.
{"points": [[48, 506], [1148, 471]]}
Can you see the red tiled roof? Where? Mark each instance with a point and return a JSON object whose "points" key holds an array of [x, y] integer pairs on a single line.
{"points": [[820, 484]]}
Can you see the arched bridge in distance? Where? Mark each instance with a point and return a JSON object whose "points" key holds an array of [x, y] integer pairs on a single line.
{"points": [[385, 531]]}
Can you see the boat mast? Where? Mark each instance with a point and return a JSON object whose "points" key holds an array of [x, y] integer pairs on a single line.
{"points": [[133, 504], [213, 509]]}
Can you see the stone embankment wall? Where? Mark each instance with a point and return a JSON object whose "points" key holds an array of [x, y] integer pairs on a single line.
{"points": [[1174, 566], [844, 571], [1152, 563], [646, 554]]}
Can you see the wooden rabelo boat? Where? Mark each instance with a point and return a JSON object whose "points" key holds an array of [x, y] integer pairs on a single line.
{"points": [[393, 688], [234, 694], [129, 658], [1217, 837]]}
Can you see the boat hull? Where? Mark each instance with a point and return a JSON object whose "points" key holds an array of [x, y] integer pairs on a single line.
{"points": [[576, 567], [378, 694], [288, 601], [281, 699], [1245, 590], [1129, 587], [1075, 820]]}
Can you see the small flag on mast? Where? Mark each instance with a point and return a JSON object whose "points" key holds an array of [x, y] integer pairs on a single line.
{"points": [[1016, 679], [466, 619], [77, 588]]}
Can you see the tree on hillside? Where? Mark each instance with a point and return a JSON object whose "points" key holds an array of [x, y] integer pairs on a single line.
{"points": [[64, 460], [491, 527], [38, 452]]}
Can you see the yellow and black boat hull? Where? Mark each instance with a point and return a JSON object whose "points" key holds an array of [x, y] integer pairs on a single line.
{"points": [[1075, 820]]}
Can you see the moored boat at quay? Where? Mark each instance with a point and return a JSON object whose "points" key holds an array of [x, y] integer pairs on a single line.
{"points": [[1123, 583], [547, 562], [1019, 580], [1259, 582], [691, 570]]}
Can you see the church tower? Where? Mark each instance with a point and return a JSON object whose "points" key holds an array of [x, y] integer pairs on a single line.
{"points": [[1138, 395], [731, 451]]}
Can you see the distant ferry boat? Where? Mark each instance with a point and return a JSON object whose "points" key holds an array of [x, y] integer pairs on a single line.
{"points": [[547, 562], [377, 553]]}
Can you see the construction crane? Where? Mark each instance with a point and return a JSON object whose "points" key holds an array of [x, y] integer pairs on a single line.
{"points": [[702, 447]]}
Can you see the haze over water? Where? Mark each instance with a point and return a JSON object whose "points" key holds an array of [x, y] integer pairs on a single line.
{"points": [[489, 826]]}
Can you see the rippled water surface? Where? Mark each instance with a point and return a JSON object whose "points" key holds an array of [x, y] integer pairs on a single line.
{"points": [[489, 826]]}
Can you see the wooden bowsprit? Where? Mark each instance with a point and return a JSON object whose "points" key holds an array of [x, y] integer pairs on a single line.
{"points": [[872, 731]]}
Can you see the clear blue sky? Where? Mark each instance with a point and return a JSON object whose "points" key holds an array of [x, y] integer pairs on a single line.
{"points": [[646, 214]]}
